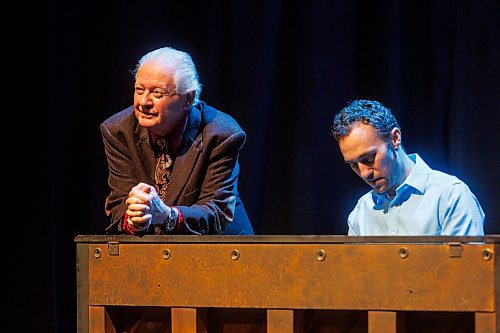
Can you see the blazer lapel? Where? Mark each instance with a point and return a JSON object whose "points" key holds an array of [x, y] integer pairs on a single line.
{"points": [[145, 150], [189, 150]]}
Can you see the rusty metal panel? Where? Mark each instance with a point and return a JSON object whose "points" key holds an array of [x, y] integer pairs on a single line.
{"points": [[413, 277]]}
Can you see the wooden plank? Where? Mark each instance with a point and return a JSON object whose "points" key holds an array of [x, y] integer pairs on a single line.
{"points": [[486, 322], [270, 239], [282, 321], [188, 320], [82, 286], [382, 322], [99, 321]]}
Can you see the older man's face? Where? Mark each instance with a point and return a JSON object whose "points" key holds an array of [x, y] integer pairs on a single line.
{"points": [[156, 104]]}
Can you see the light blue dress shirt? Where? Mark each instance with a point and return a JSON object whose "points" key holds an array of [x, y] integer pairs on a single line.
{"points": [[429, 202]]}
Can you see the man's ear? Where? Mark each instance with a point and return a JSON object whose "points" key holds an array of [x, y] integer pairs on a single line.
{"points": [[188, 103], [395, 138]]}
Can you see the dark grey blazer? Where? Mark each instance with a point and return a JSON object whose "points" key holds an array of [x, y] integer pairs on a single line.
{"points": [[204, 181]]}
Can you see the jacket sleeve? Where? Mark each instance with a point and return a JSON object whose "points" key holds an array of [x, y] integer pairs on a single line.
{"points": [[120, 177], [215, 206]]}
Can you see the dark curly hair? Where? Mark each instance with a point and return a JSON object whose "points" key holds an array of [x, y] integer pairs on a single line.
{"points": [[365, 111]]}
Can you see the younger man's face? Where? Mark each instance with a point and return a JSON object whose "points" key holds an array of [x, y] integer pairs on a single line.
{"points": [[372, 158]]}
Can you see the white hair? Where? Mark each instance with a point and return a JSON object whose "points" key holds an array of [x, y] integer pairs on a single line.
{"points": [[180, 63]]}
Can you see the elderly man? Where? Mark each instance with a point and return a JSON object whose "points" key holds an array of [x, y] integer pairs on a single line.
{"points": [[172, 159]]}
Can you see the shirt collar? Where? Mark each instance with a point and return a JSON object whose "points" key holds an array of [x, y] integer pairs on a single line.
{"points": [[176, 135], [416, 179], [418, 175]]}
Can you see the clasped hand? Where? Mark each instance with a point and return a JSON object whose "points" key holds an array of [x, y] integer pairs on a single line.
{"points": [[145, 207]]}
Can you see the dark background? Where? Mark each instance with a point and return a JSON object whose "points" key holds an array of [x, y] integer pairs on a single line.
{"points": [[282, 71]]}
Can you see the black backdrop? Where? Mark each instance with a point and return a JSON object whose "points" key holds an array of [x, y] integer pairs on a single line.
{"points": [[282, 71]]}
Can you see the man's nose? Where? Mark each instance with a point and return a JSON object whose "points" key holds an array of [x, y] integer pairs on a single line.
{"points": [[365, 171], [146, 98]]}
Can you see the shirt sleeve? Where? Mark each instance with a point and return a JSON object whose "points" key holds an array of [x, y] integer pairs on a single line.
{"points": [[180, 221], [353, 222], [461, 212], [129, 230]]}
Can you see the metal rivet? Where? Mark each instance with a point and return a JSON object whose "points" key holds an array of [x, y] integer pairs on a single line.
{"points": [[97, 253], [235, 254], [114, 248], [487, 254], [321, 255], [403, 253], [455, 249], [166, 254]]}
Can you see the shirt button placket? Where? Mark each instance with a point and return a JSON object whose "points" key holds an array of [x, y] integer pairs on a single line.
{"points": [[392, 221]]}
